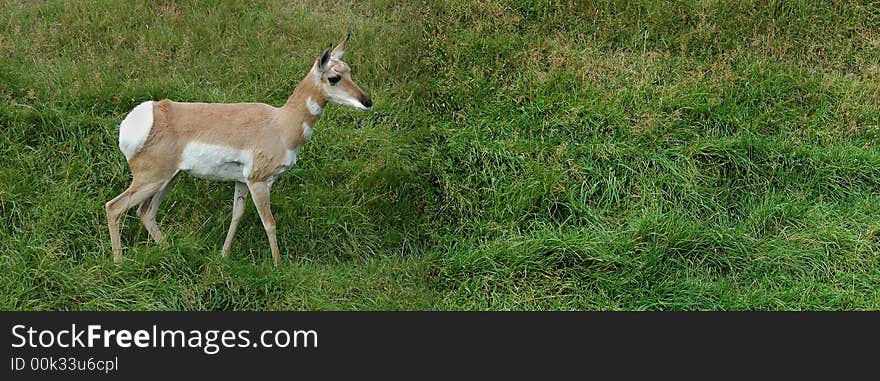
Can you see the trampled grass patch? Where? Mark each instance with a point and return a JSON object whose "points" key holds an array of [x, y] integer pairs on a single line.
{"points": [[520, 155]]}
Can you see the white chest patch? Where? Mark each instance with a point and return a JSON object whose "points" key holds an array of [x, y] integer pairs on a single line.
{"points": [[215, 162], [313, 107], [289, 162], [307, 131], [135, 128]]}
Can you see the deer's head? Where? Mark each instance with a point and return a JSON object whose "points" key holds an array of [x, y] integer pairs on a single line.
{"points": [[334, 79]]}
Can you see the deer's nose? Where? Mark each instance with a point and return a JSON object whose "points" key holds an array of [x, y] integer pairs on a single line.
{"points": [[367, 102]]}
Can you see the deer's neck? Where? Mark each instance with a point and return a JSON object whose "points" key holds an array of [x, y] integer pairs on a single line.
{"points": [[302, 110]]}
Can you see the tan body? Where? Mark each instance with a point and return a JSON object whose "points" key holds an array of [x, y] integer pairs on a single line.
{"points": [[267, 131], [249, 143]]}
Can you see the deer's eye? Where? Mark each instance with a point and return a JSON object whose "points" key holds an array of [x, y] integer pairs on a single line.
{"points": [[333, 80]]}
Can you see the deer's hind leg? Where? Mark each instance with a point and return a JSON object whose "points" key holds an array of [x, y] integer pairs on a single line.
{"points": [[136, 193], [149, 208], [149, 178]]}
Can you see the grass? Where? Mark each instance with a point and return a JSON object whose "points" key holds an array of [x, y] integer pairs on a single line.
{"points": [[530, 155]]}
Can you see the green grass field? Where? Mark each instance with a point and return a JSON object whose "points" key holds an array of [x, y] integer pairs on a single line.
{"points": [[531, 155]]}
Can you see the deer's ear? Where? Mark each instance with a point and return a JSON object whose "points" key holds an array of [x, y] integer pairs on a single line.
{"points": [[323, 60], [340, 48]]}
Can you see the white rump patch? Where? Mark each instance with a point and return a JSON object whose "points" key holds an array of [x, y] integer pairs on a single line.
{"points": [[215, 162], [307, 131], [313, 107], [135, 128]]}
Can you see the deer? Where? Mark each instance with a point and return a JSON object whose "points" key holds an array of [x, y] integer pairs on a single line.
{"points": [[250, 144]]}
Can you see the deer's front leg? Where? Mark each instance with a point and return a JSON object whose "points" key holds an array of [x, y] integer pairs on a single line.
{"points": [[239, 200], [260, 193]]}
